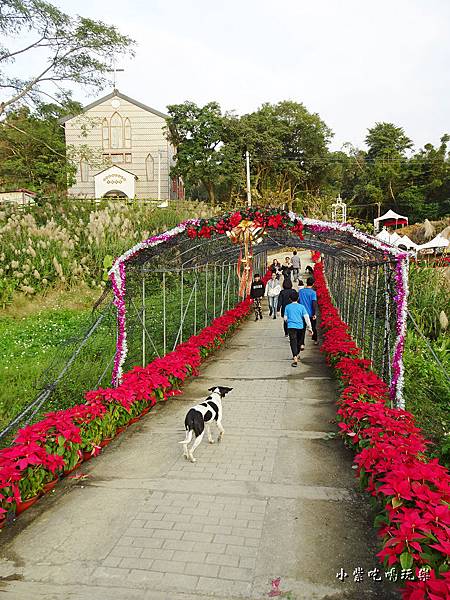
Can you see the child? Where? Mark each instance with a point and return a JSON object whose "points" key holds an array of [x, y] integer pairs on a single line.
{"points": [[257, 292], [296, 316]]}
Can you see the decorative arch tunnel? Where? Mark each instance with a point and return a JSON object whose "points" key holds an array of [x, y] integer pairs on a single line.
{"points": [[197, 269]]}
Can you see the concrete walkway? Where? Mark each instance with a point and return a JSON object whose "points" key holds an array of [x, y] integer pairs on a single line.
{"points": [[277, 498]]}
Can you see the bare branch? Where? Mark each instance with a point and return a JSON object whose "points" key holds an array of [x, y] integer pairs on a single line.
{"points": [[9, 55]]}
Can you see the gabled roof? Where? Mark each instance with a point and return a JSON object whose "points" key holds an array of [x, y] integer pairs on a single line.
{"points": [[116, 94], [115, 167], [390, 215]]}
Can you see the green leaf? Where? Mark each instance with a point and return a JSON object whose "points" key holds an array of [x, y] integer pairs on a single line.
{"points": [[107, 261], [380, 520], [397, 502], [406, 560]]}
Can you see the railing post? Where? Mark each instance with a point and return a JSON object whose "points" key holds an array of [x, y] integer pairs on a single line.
{"points": [[228, 287], [222, 298], [195, 301], [181, 305], [206, 295], [214, 292], [374, 315], [143, 320], [164, 311]]}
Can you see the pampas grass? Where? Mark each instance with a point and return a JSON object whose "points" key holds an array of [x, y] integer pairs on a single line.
{"points": [[63, 243]]}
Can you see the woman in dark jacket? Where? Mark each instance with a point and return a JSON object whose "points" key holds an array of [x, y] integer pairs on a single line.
{"points": [[275, 267], [287, 268], [284, 299]]}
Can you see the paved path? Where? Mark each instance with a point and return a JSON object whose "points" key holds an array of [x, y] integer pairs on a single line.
{"points": [[276, 498]]}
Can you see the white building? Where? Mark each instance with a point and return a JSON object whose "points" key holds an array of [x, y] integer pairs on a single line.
{"points": [[127, 153], [19, 197]]}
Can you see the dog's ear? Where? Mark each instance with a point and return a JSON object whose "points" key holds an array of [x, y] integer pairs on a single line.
{"points": [[213, 389], [224, 390]]}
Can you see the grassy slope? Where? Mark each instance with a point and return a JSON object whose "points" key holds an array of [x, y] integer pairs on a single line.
{"points": [[29, 337]]}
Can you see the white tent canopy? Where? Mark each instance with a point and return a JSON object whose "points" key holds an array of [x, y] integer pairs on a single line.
{"points": [[384, 236], [395, 239], [404, 240], [392, 217], [434, 244]]}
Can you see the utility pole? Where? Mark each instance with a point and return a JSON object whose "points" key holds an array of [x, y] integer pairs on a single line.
{"points": [[249, 193]]}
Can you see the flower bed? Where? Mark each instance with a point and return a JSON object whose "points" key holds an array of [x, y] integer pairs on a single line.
{"points": [[57, 444], [410, 491]]}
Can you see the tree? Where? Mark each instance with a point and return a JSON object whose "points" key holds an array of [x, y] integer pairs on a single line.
{"points": [[197, 134], [289, 150], [32, 149], [72, 49], [426, 193], [386, 163]]}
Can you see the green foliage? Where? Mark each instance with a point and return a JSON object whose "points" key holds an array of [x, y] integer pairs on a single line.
{"points": [[27, 348], [72, 49], [428, 297], [292, 165], [427, 389], [287, 144], [32, 149]]}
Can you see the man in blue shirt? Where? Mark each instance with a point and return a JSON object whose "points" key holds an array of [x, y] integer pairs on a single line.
{"points": [[308, 297], [296, 316]]}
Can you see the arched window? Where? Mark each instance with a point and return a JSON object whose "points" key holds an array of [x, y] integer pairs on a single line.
{"points": [[127, 132], [105, 133], [84, 170], [150, 167], [116, 131]]}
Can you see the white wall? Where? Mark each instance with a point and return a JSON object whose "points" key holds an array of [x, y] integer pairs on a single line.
{"points": [[147, 137]]}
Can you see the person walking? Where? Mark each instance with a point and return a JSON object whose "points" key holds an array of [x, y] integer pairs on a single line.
{"points": [[308, 297], [256, 293], [275, 267], [296, 316], [296, 265], [273, 289], [283, 300], [287, 268]]}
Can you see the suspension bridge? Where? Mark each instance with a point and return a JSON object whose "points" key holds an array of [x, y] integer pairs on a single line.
{"points": [[271, 511]]}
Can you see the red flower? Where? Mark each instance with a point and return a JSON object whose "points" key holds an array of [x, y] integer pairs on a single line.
{"points": [[205, 232], [298, 229], [275, 221], [235, 219]]}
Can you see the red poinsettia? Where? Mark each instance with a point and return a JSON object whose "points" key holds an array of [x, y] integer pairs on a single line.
{"points": [[275, 221], [413, 490], [235, 219]]}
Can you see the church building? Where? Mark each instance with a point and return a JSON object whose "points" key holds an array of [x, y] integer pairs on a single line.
{"points": [[125, 152]]}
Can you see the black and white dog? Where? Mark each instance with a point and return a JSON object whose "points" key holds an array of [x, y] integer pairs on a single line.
{"points": [[200, 416]]}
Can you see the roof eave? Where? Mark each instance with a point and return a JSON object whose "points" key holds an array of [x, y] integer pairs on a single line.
{"points": [[116, 94]]}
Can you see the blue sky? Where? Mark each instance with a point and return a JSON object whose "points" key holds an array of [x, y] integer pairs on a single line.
{"points": [[353, 62]]}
